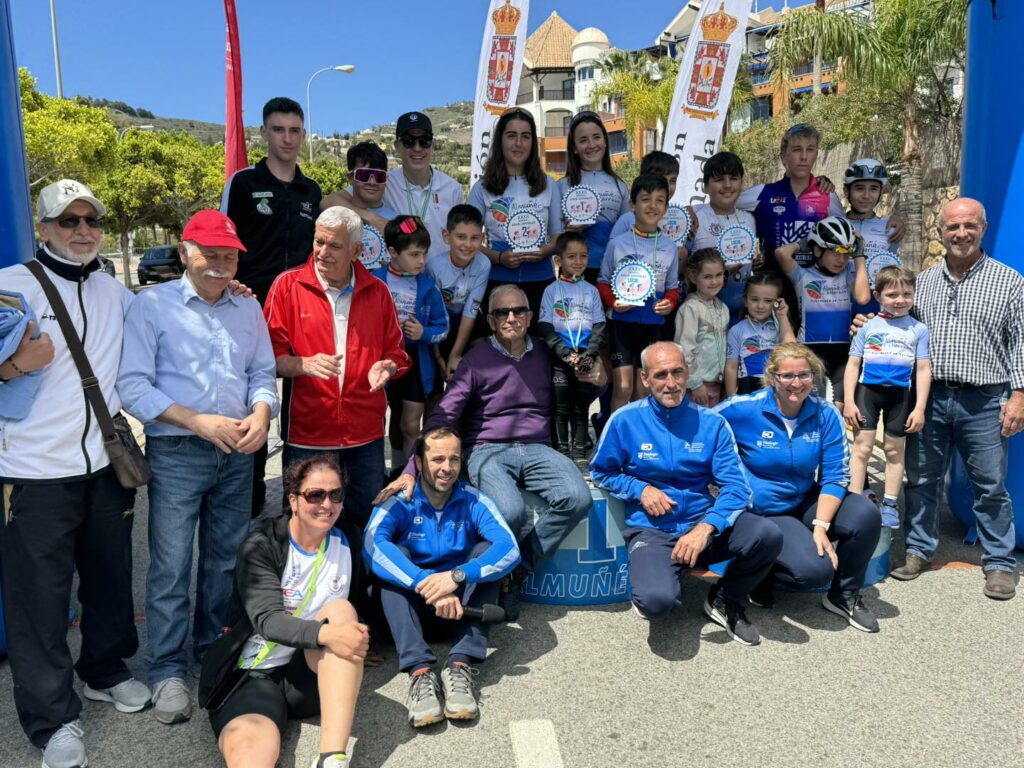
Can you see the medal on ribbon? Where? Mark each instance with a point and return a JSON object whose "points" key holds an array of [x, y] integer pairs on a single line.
{"points": [[676, 224], [580, 205], [737, 244], [374, 253], [633, 283], [879, 260], [524, 231]]}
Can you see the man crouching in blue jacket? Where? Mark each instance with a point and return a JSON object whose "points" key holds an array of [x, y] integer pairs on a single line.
{"points": [[446, 548], [659, 455]]}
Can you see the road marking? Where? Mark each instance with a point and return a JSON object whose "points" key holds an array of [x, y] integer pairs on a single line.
{"points": [[534, 744]]}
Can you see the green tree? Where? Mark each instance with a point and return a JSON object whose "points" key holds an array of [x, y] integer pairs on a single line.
{"points": [[193, 174], [327, 171], [643, 85], [905, 51], [63, 139]]}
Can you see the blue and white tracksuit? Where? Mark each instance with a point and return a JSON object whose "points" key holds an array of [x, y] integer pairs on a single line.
{"points": [[407, 541], [680, 451], [789, 466]]}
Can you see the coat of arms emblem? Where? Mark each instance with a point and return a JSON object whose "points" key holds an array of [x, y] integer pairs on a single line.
{"points": [[709, 65], [502, 58]]}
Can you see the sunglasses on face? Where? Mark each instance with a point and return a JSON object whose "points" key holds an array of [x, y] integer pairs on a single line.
{"points": [[842, 250], [863, 172], [789, 378], [503, 312], [317, 495], [409, 142], [367, 175], [72, 222]]}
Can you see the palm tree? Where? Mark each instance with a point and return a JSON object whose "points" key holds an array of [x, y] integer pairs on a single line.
{"points": [[901, 47], [644, 86]]}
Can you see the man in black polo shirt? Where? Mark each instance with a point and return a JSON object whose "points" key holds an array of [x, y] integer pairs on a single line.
{"points": [[274, 208]]}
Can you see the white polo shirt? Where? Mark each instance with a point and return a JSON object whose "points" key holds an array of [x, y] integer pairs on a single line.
{"points": [[431, 202]]}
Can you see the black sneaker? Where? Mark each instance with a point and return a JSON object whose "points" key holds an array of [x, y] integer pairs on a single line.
{"points": [[853, 610], [763, 596], [731, 616], [508, 595]]}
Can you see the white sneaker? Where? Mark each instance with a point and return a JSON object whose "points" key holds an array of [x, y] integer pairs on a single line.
{"points": [[127, 696], [332, 761], [65, 749], [172, 701]]}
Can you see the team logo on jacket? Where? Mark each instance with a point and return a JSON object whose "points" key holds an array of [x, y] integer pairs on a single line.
{"points": [[338, 582], [264, 207], [417, 520], [646, 446], [874, 342], [767, 434], [813, 290], [500, 208], [752, 345], [776, 200], [307, 207], [778, 210]]}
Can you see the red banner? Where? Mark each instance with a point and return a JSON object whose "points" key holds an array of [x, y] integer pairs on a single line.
{"points": [[235, 157]]}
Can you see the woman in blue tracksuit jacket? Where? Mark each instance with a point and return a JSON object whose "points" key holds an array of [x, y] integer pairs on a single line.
{"points": [[793, 446]]}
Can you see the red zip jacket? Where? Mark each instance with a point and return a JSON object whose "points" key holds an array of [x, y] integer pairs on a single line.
{"points": [[314, 413]]}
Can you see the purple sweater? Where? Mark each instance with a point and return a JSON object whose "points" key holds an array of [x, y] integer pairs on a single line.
{"points": [[495, 399]]}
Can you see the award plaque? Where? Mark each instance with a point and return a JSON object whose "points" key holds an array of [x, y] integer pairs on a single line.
{"points": [[676, 224], [580, 205], [879, 260], [374, 253], [524, 231], [633, 283], [737, 245]]}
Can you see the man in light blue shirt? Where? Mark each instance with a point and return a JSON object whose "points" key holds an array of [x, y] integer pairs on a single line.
{"points": [[198, 370]]}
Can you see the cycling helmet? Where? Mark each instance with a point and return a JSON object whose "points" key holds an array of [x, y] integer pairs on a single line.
{"points": [[865, 170], [835, 234]]}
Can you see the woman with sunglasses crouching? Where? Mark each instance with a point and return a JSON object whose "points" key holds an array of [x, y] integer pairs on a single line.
{"points": [[295, 646], [793, 445]]}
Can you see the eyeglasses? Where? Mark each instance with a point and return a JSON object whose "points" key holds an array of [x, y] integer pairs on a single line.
{"points": [[317, 495], [789, 378], [503, 312], [842, 250], [409, 142], [367, 175], [72, 222]]}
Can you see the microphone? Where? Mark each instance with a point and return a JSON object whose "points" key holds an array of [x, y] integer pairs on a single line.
{"points": [[488, 613]]}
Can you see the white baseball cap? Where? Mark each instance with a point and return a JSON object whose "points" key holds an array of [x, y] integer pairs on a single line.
{"points": [[57, 196]]}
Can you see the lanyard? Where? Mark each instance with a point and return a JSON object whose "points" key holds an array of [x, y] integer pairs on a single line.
{"points": [[636, 250], [574, 339], [426, 198], [270, 646]]}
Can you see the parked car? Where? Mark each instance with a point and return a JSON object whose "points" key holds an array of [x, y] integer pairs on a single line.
{"points": [[160, 264], [106, 265]]}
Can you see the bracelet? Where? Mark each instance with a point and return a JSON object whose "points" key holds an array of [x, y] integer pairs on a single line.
{"points": [[14, 365], [500, 254], [821, 524]]}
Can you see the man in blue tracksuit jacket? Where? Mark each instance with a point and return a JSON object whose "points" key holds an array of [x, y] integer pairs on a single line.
{"points": [[447, 547], [659, 456]]}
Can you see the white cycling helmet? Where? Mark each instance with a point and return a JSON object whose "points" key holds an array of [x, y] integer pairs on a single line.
{"points": [[834, 233], [865, 170]]}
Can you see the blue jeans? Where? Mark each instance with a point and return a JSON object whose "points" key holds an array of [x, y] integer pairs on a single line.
{"points": [[193, 482], [364, 467], [503, 470], [966, 419]]}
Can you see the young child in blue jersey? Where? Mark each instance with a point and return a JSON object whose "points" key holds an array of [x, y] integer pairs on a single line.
{"points": [[826, 292], [589, 162], [633, 328], [863, 184], [751, 340], [423, 319], [701, 327], [890, 345], [723, 182], [573, 325], [461, 277]]}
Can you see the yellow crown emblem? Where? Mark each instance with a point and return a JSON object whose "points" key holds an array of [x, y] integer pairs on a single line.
{"points": [[506, 19], [719, 25]]}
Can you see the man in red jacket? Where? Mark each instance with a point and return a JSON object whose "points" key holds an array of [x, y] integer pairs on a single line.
{"points": [[335, 370]]}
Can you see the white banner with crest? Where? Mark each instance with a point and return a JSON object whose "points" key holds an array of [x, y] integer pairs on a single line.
{"points": [[703, 92], [497, 81]]}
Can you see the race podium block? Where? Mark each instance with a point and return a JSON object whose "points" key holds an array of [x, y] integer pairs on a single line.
{"points": [[591, 566]]}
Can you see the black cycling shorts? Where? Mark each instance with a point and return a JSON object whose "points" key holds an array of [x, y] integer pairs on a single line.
{"points": [[893, 402], [627, 340]]}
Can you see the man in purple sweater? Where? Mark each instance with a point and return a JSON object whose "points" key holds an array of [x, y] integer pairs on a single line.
{"points": [[500, 401]]}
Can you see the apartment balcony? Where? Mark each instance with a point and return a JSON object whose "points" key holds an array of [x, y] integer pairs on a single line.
{"points": [[556, 131], [562, 94]]}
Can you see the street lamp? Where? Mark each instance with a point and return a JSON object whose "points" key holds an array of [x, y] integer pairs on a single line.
{"points": [[348, 69]]}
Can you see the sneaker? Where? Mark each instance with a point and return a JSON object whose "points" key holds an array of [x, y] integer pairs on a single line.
{"points": [[853, 610], [127, 696], [459, 698], [638, 612], [911, 569], [172, 702], [731, 616], [424, 706], [890, 515], [763, 595], [1000, 585], [330, 760], [65, 749], [508, 596]]}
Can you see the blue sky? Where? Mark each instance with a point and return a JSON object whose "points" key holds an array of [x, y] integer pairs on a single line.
{"points": [[168, 57]]}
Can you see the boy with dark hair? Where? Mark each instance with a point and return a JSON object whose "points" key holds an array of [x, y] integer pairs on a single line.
{"points": [[367, 175], [660, 164], [461, 276], [284, 105]]}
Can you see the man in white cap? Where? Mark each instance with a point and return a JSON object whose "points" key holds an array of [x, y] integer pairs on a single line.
{"points": [[198, 370], [63, 507]]}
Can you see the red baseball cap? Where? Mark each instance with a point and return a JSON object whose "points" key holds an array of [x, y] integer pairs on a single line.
{"points": [[212, 229]]}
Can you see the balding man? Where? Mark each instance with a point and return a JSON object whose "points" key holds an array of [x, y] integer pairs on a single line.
{"points": [[973, 306], [500, 401], [660, 455]]}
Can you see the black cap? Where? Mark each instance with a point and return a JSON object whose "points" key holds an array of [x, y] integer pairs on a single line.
{"points": [[411, 121]]}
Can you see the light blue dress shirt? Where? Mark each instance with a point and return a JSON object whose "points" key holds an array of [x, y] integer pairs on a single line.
{"points": [[179, 349]]}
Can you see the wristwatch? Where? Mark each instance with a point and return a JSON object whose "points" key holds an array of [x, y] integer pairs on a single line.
{"points": [[458, 575], [821, 524]]}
